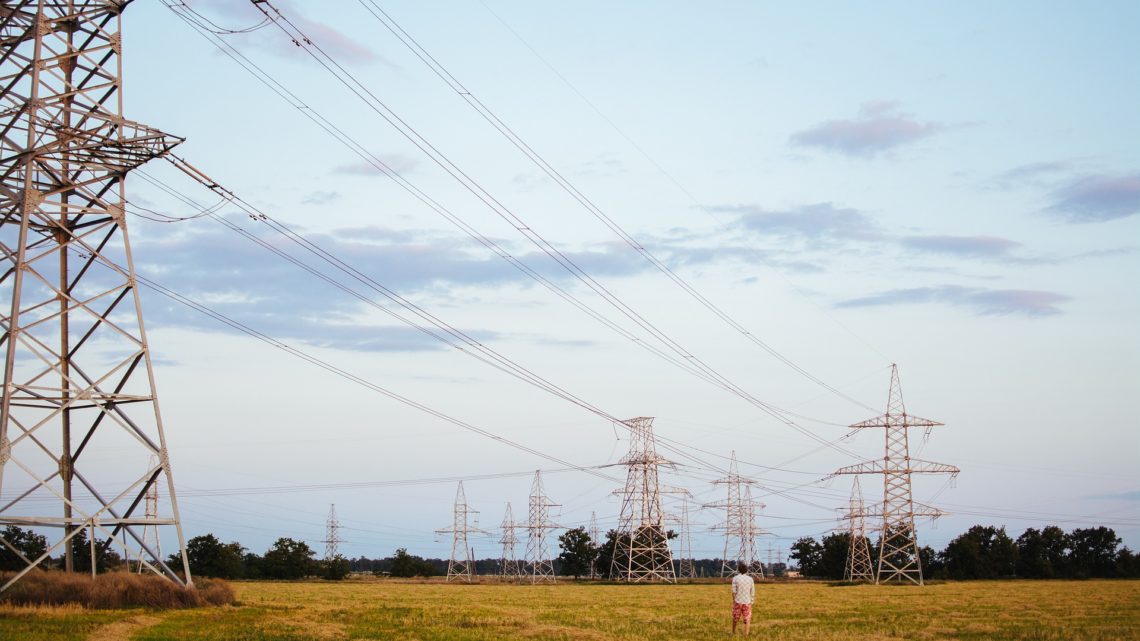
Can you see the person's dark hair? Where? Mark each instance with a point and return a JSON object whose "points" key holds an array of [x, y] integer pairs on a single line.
{"points": [[742, 568]]}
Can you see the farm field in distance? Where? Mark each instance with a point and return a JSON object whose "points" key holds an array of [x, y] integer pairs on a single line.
{"points": [[399, 610]]}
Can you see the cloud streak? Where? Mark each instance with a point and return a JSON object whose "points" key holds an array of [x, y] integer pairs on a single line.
{"points": [[1097, 198], [878, 128], [986, 302], [815, 222]]}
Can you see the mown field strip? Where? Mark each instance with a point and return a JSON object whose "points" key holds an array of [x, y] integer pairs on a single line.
{"points": [[392, 609]]}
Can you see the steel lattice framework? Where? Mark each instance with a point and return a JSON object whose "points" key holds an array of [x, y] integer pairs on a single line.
{"points": [[332, 535], [740, 529], [509, 565], [858, 548], [596, 541], [79, 404], [685, 567], [642, 550], [461, 565], [538, 527], [898, 543]]}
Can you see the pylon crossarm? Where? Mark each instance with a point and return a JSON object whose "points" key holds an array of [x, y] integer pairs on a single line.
{"points": [[874, 466], [891, 420], [929, 467]]}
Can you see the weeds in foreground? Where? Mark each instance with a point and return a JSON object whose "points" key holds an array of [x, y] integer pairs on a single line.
{"points": [[115, 590]]}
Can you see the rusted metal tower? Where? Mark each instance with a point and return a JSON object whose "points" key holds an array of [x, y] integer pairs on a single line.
{"points": [[740, 529], [642, 547], [79, 402], [538, 527], [898, 543], [461, 566], [509, 566], [332, 535], [859, 548]]}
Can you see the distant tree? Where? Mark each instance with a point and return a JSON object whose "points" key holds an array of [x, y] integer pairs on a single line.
{"points": [[578, 552], [27, 542], [808, 554], [288, 559], [409, 565], [605, 554], [1041, 553], [982, 552], [833, 555], [1092, 552], [105, 557], [253, 566], [1127, 564], [931, 564], [210, 557], [335, 569]]}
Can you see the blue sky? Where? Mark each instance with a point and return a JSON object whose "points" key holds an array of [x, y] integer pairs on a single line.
{"points": [[953, 187]]}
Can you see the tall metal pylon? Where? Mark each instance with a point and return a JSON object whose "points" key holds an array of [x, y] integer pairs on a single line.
{"points": [[685, 567], [538, 526], [898, 543], [596, 541], [509, 565], [858, 549], [461, 565], [332, 535], [740, 529], [150, 531], [79, 401], [642, 550]]}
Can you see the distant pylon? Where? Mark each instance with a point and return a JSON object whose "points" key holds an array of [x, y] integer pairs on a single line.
{"points": [[642, 550], [461, 566], [332, 535], [539, 525], [596, 541], [685, 567], [509, 566], [740, 529], [78, 381], [858, 549], [898, 544], [150, 530]]}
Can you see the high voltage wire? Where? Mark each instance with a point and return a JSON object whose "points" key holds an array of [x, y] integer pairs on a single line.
{"points": [[707, 373], [539, 161]]}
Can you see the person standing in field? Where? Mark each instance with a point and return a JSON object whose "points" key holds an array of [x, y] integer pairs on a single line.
{"points": [[743, 594]]}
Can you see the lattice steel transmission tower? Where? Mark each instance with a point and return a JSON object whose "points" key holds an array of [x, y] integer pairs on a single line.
{"points": [[538, 526], [596, 541], [740, 530], [685, 567], [462, 562], [509, 565], [332, 535], [79, 402], [150, 531], [642, 551], [859, 548], [898, 543]]}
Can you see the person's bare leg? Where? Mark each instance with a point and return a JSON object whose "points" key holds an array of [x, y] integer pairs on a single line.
{"points": [[747, 626], [733, 625]]}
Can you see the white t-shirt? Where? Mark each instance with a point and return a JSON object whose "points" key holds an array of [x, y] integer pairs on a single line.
{"points": [[743, 589]]}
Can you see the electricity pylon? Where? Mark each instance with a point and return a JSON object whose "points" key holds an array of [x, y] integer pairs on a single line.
{"points": [[79, 401], [461, 565], [740, 530], [858, 550], [898, 544], [642, 550], [332, 535], [151, 530], [537, 527], [685, 567], [509, 566], [596, 542]]}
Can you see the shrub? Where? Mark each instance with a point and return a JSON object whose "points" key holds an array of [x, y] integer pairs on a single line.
{"points": [[114, 590]]}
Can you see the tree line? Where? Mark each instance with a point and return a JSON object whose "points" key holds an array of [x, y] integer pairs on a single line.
{"points": [[987, 552], [982, 552]]}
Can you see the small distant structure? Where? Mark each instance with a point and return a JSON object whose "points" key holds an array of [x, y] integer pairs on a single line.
{"points": [[461, 565]]}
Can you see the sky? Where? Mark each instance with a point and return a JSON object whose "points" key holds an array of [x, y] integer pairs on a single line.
{"points": [[951, 187]]}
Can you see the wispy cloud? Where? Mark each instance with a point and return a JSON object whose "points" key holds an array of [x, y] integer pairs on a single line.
{"points": [[320, 197], [983, 301], [1036, 174], [878, 128], [965, 246], [819, 221], [1097, 198]]}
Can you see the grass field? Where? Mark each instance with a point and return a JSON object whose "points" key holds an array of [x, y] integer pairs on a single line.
{"points": [[1038, 610]]}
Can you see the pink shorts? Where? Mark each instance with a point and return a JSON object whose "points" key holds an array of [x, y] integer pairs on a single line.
{"points": [[742, 611]]}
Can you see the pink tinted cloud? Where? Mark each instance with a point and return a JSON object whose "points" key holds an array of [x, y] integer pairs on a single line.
{"points": [[878, 128]]}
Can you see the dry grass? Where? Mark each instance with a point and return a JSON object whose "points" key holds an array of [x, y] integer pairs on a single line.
{"points": [[435, 611], [115, 590]]}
